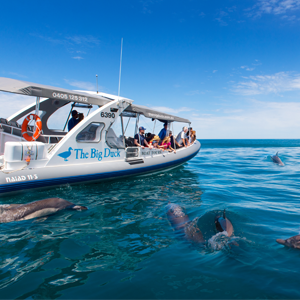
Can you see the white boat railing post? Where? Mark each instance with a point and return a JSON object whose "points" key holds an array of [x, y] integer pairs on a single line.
{"points": [[154, 126], [173, 135], [136, 126], [68, 116], [37, 108], [123, 133], [127, 125]]}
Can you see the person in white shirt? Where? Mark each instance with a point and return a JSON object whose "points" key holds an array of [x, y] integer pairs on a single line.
{"points": [[182, 138]]}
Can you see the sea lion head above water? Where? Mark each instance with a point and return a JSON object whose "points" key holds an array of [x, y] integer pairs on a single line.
{"points": [[36, 209], [177, 216]]}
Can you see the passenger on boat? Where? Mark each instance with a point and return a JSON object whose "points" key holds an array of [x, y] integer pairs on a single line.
{"points": [[140, 140], [156, 138], [149, 137], [181, 137], [192, 135], [173, 141], [155, 145], [80, 117], [163, 133], [74, 120], [166, 144]]}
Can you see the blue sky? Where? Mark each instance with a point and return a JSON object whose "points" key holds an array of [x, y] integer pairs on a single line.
{"points": [[231, 67]]}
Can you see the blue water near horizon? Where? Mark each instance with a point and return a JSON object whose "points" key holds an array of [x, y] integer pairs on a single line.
{"points": [[123, 247]]}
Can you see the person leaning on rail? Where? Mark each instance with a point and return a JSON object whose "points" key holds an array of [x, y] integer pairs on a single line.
{"points": [[140, 140], [173, 141], [182, 138], [166, 144]]}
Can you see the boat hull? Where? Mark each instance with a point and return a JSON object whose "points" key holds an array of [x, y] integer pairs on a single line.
{"points": [[52, 176]]}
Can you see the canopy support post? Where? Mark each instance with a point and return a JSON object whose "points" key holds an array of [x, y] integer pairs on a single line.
{"points": [[68, 116], [174, 136], [127, 125], [37, 108], [154, 126], [137, 126], [123, 134]]}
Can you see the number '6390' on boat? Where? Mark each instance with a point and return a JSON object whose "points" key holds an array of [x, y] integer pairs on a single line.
{"points": [[37, 156]]}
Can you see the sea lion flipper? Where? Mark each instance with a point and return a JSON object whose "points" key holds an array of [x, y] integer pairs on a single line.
{"points": [[281, 241]]}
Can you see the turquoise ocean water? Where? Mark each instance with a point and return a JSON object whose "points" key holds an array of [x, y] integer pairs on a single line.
{"points": [[123, 247]]}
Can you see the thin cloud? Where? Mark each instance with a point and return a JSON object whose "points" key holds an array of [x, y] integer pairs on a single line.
{"points": [[261, 120], [86, 40], [225, 16], [18, 75], [13, 103], [169, 110], [193, 93], [81, 84], [73, 44], [266, 84], [275, 7], [146, 4], [290, 18], [221, 22], [247, 68]]}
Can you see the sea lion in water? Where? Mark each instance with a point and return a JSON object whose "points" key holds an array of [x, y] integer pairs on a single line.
{"points": [[189, 229], [223, 224], [292, 242], [36, 209], [277, 160], [181, 222]]}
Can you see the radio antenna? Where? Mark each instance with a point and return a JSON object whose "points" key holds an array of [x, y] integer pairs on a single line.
{"points": [[120, 68], [97, 82]]}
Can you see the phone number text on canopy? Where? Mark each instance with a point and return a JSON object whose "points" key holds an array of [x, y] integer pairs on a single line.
{"points": [[70, 97]]}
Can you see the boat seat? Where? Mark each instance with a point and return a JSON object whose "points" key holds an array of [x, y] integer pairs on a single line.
{"points": [[5, 128], [54, 139], [113, 141], [129, 141], [14, 124], [17, 131], [3, 121]]}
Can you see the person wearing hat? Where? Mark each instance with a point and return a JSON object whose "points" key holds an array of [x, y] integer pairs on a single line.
{"points": [[140, 140], [74, 120], [163, 133], [155, 144]]}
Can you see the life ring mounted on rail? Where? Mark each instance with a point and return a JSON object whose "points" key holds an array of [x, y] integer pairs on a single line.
{"points": [[38, 125]]}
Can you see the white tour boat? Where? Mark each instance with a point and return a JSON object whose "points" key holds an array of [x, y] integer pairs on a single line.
{"points": [[37, 156]]}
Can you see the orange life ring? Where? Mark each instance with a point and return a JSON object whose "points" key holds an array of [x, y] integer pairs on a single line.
{"points": [[38, 124]]}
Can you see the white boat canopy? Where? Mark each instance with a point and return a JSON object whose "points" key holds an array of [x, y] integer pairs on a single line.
{"points": [[39, 90]]}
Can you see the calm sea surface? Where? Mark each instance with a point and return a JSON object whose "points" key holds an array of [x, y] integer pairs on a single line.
{"points": [[124, 246]]}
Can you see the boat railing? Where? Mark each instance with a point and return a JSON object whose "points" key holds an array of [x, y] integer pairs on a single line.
{"points": [[14, 128]]}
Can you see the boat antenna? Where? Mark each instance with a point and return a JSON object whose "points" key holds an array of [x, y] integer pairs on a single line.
{"points": [[120, 68], [97, 82]]}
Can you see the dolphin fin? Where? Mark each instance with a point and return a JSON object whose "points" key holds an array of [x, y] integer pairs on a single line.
{"points": [[276, 154]]}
